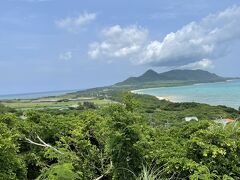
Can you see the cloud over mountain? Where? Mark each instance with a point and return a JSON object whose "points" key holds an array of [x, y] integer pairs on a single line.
{"points": [[203, 64], [189, 46]]}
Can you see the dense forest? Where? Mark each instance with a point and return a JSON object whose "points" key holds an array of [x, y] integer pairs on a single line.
{"points": [[140, 137]]}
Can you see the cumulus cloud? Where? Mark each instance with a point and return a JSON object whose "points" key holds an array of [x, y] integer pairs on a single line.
{"points": [[191, 45], [203, 64], [74, 24], [119, 42], [66, 56]]}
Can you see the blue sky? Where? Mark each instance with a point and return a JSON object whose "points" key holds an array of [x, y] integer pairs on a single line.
{"points": [[74, 44]]}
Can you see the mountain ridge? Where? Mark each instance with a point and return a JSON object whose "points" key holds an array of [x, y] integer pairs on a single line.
{"points": [[173, 75]]}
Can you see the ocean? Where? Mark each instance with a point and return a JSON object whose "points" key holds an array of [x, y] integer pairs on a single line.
{"points": [[220, 93], [34, 95]]}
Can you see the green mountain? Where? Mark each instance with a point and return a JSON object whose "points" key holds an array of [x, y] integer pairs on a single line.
{"points": [[152, 79], [151, 76]]}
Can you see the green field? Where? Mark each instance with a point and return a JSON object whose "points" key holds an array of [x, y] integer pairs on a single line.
{"points": [[30, 104]]}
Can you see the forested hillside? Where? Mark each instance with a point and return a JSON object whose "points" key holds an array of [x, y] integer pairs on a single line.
{"points": [[138, 138], [151, 76]]}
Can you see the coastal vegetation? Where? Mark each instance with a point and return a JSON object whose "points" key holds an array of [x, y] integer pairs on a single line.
{"points": [[139, 137]]}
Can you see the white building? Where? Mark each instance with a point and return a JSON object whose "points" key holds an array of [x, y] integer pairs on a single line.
{"points": [[192, 118]]}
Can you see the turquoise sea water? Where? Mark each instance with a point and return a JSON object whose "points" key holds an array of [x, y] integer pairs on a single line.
{"points": [[221, 93]]}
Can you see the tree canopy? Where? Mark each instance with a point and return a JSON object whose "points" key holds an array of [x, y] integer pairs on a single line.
{"points": [[138, 138]]}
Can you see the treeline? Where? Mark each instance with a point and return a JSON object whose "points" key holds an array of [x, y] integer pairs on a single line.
{"points": [[138, 138]]}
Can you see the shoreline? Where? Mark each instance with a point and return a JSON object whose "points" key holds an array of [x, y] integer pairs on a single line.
{"points": [[167, 98], [139, 91], [175, 97]]}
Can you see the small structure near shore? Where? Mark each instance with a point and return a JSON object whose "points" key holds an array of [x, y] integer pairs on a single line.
{"points": [[192, 118]]}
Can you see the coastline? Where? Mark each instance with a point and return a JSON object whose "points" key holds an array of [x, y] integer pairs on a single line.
{"points": [[207, 93], [139, 91], [183, 85], [167, 98]]}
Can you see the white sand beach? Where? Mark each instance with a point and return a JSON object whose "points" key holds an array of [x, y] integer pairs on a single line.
{"points": [[168, 98]]}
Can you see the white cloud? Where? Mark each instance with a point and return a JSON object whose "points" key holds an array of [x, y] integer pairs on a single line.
{"points": [[203, 64], [209, 38], [74, 24], [119, 42], [66, 56]]}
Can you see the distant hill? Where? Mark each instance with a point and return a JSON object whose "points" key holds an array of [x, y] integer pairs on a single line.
{"points": [[152, 79], [151, 76]]}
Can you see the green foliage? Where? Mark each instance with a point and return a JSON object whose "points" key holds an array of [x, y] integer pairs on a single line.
{"points": [[5, 109], [123, 135], [129, 101], [216, 146], [80, 106], [114, 141], [59, 172], [149, 174], [12, 165], [89, 105]]}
